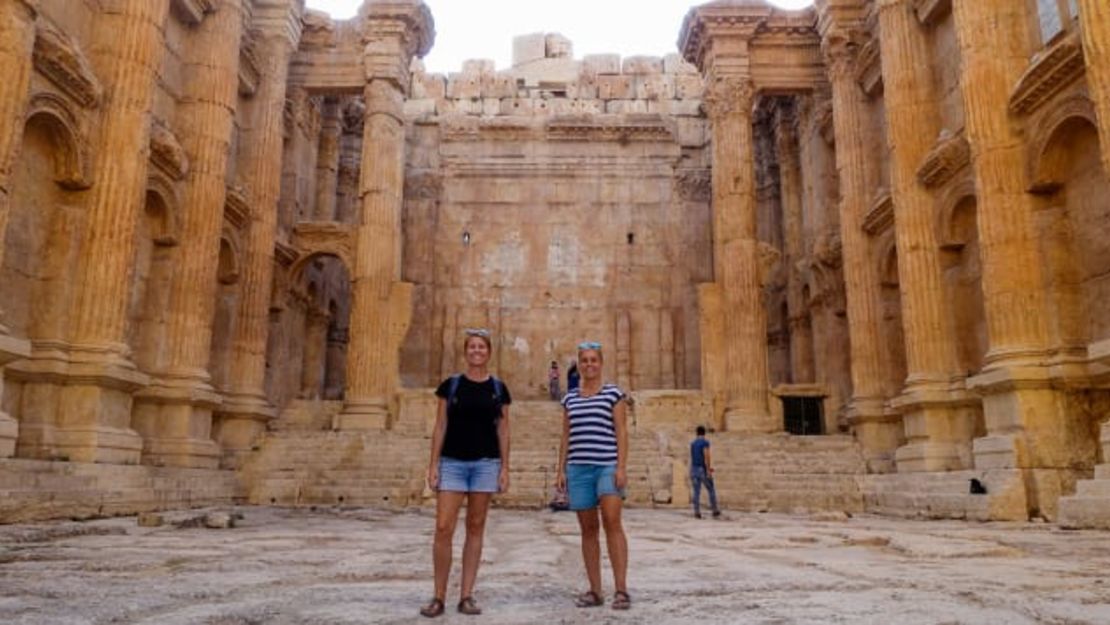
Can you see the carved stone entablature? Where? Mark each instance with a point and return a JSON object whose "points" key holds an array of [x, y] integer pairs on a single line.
{"points": [[869, 70], [703, 24], [312, 239], [60, 59], [1051, 71], [470, 128], [192, 12], [393, 33], [694, 185], [620, 128], [929, 12], [249, 74], [950, 154], [237, 208], [423, 186], [880, 217], [319, 31], [166, 152]]}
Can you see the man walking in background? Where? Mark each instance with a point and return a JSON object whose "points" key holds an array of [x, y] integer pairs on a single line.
{"points": [[701, 472]]}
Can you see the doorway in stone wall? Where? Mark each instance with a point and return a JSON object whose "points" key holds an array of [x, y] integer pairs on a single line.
{"points": [[802, 416]]}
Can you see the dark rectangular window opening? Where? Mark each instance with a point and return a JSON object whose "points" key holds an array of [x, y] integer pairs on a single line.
{"points": [[802, 416]]}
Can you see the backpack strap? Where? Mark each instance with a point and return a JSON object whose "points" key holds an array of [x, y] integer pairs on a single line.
{"points": [[452, 390], [498, 391]]}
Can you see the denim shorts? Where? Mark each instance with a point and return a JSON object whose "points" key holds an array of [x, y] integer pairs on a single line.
{"points": [[469, 476], [587, 483]]}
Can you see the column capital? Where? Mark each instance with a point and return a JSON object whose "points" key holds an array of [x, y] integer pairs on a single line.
{"points": [[840, 55], [729, 95], [393, 32], [277, 19]]}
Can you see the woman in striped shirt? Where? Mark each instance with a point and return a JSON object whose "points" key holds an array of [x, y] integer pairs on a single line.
{"points": [[593, 456]]}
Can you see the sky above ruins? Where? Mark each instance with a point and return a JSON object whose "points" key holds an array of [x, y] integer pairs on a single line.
{"points": [[483, 29]]}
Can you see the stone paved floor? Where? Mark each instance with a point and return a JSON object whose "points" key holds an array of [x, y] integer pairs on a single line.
{"points": [[370, 566]]}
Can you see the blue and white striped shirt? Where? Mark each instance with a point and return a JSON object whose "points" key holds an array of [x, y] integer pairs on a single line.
{"points": [[593, 439]]}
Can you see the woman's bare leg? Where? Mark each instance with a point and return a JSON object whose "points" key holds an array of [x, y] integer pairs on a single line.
{"points": [[477, 507]]}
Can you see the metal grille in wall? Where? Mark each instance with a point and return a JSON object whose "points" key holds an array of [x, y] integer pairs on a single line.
{"points": [[802, 415]]}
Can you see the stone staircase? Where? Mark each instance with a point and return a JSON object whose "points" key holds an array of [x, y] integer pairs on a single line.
{"points": [[1089, 507], [783, 473]]}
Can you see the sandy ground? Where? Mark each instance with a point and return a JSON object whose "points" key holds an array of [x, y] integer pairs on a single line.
{"points": [[373, 566]]}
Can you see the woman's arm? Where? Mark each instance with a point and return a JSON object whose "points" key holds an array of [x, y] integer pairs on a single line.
{"points": [[438, 434], [503, 445], [620, 427], [561, 467]]}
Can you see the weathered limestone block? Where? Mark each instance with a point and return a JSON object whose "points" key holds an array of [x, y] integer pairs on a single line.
{"points": [[598, 64], [626, 106], [529, 48], [642, 65], [585, 88], [557, 46], [655, 87], [677, 108], [422, 108], [433, 86], [499, 85], [478, 67], [463, 86], [689, 87], [615, 87], [673, 63]]}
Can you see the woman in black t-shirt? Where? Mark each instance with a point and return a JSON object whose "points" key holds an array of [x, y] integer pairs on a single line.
{"points": [[469, 461]]}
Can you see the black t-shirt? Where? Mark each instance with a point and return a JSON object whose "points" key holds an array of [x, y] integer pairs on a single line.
{"points": [[472, 419]]}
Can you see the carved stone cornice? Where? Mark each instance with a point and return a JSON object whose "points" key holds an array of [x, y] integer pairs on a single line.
{"points": [[880, 217], [237, 207], [694, 185], [192, 12], [625, 128], [59, 58], [392, 34], [704, 24], [729, 95], [1051, 71], [841, 54], [869, 69], [950, 154], [929, 12], [276, 19], [166, 152]]}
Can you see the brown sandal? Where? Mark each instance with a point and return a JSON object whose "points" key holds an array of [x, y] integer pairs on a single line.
{"points": [[588, 599], [621, 600], [433, 609], [469, 606]]}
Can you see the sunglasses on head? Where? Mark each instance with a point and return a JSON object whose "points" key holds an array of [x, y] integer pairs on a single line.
{"points": [[477, 332], [589, 345]]}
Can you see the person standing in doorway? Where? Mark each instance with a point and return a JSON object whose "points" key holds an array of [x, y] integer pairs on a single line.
{"points": [[701, 472], [469, 462], [593, 457], [553, 378]]}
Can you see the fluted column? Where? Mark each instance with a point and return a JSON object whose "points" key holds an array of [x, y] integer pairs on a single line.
{"points": [[380, 302], [245, 410], [1029, 424], [1094, 22], [96, 406], [174, 414], [729, 102], [17, 39], [327, 163], [938, 430], [790, 180], [875, 430]]}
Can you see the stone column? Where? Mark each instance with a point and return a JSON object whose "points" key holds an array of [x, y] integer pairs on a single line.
{"points": [[95, 407], [790, 181], [327, 163], [1028, 424], [878, 435], [17, 39], [380, 302], [729, 102], [174, 414], [1094, 22], [938, 431], [243, 416]]}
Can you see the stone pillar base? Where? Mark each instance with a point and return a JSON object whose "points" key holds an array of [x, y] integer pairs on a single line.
{"points": [[174, 418], [878, 431], [11, 348], [363, 415], [9, 433], [922, 456], [939, 425], [238, 425], [93, 425]]}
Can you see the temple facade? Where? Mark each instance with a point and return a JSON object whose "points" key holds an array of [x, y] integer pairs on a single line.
{"points": [[867, 243]]}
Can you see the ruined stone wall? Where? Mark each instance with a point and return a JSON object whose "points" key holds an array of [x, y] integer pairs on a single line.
{"points": [[555, 202]]}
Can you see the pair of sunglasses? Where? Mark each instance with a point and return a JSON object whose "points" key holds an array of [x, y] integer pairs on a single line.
{"points": [[477, 332], [589, 345]]}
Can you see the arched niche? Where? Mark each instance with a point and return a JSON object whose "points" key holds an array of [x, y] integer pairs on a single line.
{"points": [[962, 275], [51, 115], [893, 338], [152, 274], [227, 306], [1073, 221]]}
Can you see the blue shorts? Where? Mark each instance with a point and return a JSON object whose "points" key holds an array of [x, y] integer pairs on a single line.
{"points": [[587, 483], [469, 476]]}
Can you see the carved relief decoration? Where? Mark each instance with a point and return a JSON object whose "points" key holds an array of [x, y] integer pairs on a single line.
{"points": [[311, 239], [694, 185], [60, 59], [930, 12], [880, 217], [354, 112], [1051, 71], [166, 152], [237, 208], [950, 155], [72, 165], [641, 128], [192, 12], [729, 95], [869, 70]]}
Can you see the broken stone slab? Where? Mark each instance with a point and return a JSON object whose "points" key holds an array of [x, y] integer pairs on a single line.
{"points": [[557, 46], [662, 496], [150, 519], [615, 87], [673, 63], [528, 48], [219, 520]]}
